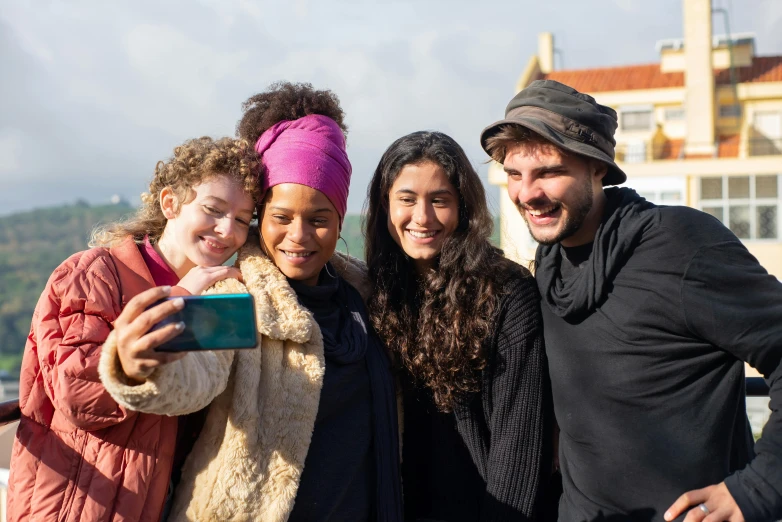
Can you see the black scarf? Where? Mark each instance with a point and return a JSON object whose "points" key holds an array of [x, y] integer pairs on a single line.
{"points": [[347, 339], [625, 220]]}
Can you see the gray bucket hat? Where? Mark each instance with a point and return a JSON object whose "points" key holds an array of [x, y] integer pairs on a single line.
{"points": [[567, 118]]}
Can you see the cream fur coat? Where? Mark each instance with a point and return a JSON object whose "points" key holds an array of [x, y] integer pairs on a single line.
{"points": [[247, 462]]}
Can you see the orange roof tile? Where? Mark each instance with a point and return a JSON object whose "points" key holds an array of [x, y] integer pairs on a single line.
{"points": [[763, 69], [618, 78], [649, 76]]}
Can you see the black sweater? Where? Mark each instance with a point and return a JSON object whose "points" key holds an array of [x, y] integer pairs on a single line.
{"points": [[338, 481], [648, 380], [498, 468]]}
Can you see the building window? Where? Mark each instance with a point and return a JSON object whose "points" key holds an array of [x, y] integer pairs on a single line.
{"points": [[674, 113], [738, 187], [636, 119], [748, 205], [738, 221], [711, 188], [767, 221], [766, 138], [670, 197], [730, 111], [662, 197]]}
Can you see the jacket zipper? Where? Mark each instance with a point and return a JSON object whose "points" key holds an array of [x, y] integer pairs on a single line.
{"points": [[67, 505]]}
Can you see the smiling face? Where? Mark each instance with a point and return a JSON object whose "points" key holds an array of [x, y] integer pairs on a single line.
{"points": [[299, 230], [423, 210], [559, 196], [209, 228]]}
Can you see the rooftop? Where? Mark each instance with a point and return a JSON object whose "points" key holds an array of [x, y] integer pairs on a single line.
{"points": [[649, 76]]}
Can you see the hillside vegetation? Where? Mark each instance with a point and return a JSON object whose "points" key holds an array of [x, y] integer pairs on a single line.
{"points": [[32, 244]]}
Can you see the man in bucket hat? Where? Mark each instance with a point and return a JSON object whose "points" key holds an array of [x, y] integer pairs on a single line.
{"points": [[649, 314]]}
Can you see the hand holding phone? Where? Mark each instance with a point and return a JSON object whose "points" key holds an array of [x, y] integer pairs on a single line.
{"points": [[136, 342]]}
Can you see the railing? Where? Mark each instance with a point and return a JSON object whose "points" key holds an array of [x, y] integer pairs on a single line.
{"points": [[756, 387], [674, 149], [10, 412]]}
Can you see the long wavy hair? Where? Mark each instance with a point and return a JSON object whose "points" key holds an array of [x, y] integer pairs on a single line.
{"points": [[194, 162], [436, 325]]}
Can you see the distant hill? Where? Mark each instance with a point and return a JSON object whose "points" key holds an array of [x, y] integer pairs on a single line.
{"points": [[353, 236], [34, 243]]}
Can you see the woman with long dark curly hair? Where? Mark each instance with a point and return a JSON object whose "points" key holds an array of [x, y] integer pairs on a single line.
{"points": [[464, 325], [303, 428]]}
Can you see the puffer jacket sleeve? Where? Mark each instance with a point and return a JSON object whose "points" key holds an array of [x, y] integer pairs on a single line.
{"points": [[178, 388], [72, 319]]}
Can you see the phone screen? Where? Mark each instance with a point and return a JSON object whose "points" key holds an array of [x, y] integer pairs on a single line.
{"points": [[213, 322]]}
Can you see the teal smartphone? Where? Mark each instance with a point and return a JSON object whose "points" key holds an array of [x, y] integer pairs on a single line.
{"points": [[213, 322]]}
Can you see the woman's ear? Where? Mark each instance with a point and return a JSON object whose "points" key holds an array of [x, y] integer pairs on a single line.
{"points": [[169, 203]]}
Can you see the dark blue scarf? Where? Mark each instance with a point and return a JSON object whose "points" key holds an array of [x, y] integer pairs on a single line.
{"points": [[348, 338]]}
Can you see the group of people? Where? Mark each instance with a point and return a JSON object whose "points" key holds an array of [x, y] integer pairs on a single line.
{"points": [[437, 381]]}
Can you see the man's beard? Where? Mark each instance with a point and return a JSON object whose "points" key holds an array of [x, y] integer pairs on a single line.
{"points": [[574, 219]]}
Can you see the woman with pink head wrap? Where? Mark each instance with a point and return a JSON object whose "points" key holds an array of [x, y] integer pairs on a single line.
{"points": [[352, 468], [303, 428]]}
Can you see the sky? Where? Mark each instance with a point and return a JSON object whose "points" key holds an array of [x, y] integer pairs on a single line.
{"points": [[94, 93]]}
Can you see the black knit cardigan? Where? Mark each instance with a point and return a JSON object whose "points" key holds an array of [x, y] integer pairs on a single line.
{"points": [[508, 425]]}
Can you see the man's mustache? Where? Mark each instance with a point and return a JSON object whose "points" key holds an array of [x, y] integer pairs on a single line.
{"points": [[536, 203]]}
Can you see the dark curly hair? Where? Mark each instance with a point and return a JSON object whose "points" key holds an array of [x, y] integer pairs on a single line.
{"points": [[286, 101], [436, 326]]}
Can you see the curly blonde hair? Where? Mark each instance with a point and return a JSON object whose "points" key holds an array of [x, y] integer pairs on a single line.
{"points": [[194, 162]]}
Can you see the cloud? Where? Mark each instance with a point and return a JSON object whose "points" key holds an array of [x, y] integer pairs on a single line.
{"points": [[627, 6], [301, 8], [167, 58], [771, 17], [230, 11], [111, 88], [27, 34], [10, 151], [432, 84]]}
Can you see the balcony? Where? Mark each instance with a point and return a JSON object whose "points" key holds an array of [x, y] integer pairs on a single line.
{"points": [[729, 156], [726, 147]]}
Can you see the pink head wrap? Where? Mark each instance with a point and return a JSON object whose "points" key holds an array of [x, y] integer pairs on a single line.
{"points": [[308, 151]]}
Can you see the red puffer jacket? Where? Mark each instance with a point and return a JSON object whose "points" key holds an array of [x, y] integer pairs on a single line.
{"points": [[78, 455]]}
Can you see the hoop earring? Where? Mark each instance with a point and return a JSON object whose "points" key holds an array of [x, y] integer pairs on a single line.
{"points": [[347, 249], [326, 266]]}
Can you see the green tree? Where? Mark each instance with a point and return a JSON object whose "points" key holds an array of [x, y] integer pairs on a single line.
{"points": [[32, 245]]}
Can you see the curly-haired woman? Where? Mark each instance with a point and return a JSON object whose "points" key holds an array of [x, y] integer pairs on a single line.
{"points": [[78, 454], [303, 428], [464, 325]]}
